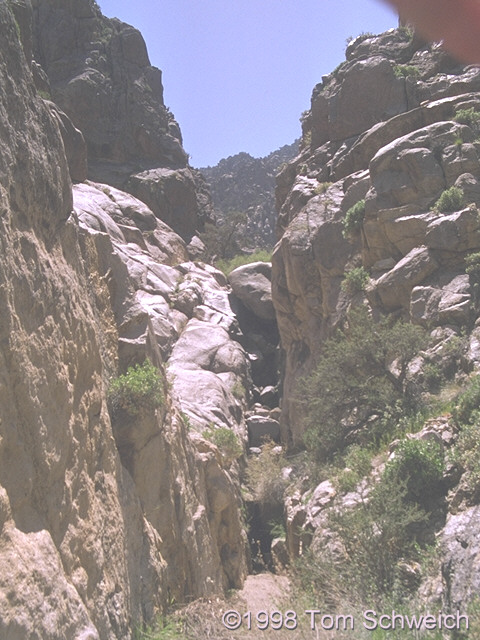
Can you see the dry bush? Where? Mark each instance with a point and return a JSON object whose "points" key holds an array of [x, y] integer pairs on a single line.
{"points": [[264, 475]]}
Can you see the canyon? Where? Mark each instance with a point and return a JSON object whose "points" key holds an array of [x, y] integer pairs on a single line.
{"points": [[110, 516]]}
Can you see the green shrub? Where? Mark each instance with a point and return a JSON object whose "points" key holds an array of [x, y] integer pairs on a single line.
{"points": [[467, 454], [358, 464], [225, 239], [473, 611], [376, 534], [420, 463], [339, 66], [354, 219], [405, 70], [352, 388], [277, 529], [472, 262], [406, 31], [467, 409], [306, 141], [303, 168], [452, 199], [139, 389], [433, 376], [355, 280], [226, 440], [470, 117], [186, 421], [305, 115], [162, 630], [238, 390], [473, 266], [364, 35], [227, 266]]}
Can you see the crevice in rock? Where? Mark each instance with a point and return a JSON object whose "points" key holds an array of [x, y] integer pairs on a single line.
{"points": [[261, 519], [260, 339]]}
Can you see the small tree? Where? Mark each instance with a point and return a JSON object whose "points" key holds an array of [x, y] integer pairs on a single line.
{"points": [[264, 475], [406, 71], [452, 199], [472, 262], [361, 377], [376, 534], [224, 240]]}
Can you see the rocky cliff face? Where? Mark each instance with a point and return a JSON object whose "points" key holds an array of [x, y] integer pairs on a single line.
{"points": [[103, 519], [98, 72], [245, 184], [386, 186], [382, 130]]}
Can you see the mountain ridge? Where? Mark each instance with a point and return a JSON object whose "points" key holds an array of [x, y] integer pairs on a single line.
{"points": [[242, 183]]}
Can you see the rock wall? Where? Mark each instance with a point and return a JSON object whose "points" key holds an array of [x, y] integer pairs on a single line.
{"points": [[381, 129], [390, 127], [101, 523], [97, 71]]}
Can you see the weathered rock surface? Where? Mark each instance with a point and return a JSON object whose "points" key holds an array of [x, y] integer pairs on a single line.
{"points": [[179, 314], [340, 111], [252, 285], [262, 429], [395, 286], [100, 75], [173, 196], [74, 143], [66, 499], [398, 152], [445, 301], [461, 558], [383, 128], [102, 520], [97, 71]]}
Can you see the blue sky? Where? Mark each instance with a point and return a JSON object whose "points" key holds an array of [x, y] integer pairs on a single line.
{"points": [[237, 74]]}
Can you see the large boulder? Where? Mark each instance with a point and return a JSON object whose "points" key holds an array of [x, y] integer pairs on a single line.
{"points": [[173, 196], [442, 303], [395, 286], [461, 558], [344, 109], [262, 429], [409, 169], [206, 345], [251, 283], [454, 233]]}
